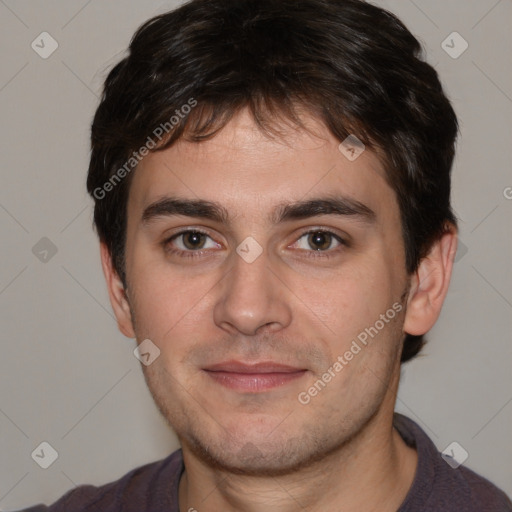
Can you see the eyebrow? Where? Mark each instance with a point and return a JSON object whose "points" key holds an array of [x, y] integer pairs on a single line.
{"points": [[169, 206], [330, 205]]}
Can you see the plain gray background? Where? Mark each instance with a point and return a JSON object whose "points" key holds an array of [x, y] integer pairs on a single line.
{"points": [[69, 378]]}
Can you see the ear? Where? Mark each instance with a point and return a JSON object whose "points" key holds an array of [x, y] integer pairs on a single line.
{"points": [[117, 294], [429, 285]]}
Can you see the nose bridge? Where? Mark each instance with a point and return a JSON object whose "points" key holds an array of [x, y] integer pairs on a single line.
{"points": [[251, 296]]}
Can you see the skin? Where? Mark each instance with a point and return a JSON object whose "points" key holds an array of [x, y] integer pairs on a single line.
{"points": [[294, 305]]}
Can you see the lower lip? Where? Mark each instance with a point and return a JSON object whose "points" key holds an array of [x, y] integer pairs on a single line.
{"points": [[254, 382]]}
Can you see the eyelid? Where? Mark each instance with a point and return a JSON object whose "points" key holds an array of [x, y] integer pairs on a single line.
{"points": [[320, 256], [187, 230], [342, 238], [167, 242], [180, 230]]}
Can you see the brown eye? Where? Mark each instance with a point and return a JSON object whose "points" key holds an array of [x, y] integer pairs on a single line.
{"points": [[320, 240], [193, 240], [190, 243]]}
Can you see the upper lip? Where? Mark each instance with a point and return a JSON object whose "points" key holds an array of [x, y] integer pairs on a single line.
{"points": [[261, 367]]}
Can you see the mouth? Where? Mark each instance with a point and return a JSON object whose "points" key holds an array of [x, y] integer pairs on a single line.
{"points": [[253, 378]]}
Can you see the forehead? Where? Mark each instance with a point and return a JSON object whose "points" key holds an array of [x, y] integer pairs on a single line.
{"points": [[246, 169]]}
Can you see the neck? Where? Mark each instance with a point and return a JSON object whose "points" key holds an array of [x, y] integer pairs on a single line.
{"points": [[371, 472]]}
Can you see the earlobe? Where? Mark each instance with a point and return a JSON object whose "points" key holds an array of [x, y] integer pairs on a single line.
{"points": [[117, 294], [429, 285]]}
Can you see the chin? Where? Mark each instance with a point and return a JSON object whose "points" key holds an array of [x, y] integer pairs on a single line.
{"points": [[250, 460], [252, 454]]}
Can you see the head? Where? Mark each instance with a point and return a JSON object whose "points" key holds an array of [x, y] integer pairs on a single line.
{"points": [[226, 120]]}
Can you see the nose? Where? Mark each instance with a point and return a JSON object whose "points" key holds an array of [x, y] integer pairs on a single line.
{"points": [[252, 300]]}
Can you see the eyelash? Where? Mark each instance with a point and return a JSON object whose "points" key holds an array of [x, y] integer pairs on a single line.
{"points": [[179, 252], [311, 254]]}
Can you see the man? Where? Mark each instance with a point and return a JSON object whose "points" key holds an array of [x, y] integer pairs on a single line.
{"points": [[272, 195]]}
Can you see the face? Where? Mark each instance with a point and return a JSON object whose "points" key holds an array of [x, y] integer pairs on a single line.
{"points": [[270, 274]]}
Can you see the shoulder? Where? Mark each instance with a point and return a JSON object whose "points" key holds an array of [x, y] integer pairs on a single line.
{"points": [[475, 492], [441, 485], [147, 487]]}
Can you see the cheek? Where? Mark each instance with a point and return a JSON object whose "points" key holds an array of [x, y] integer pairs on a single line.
{"points": [[349, 300], [166, 303]]}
